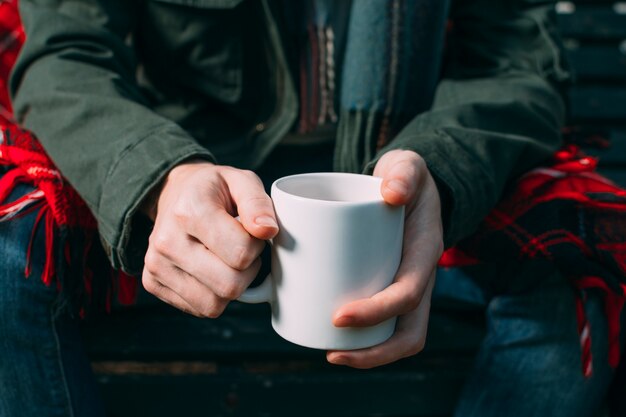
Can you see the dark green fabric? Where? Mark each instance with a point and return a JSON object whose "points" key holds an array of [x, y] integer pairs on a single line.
{"points": [[497, 110], [119, 91]]}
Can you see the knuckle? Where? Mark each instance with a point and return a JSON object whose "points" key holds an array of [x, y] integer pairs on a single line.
{"points": [[242, 257], [418, 167], [213, 309], [414, 157], [413, 165], [151, 264], [225, 169], [150, 284], [412, 303], [417, 347], [250, 175], [161, 242], [230, 291], [181, 213], [262, 202], [192, 312], [212, 175], [414, 297]]}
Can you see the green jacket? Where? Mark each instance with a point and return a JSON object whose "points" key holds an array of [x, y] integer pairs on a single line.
{"points": [[120, 91]]}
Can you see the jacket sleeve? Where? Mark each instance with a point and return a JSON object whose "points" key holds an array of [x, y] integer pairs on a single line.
{"points": [[497, 111], [74, 86]]}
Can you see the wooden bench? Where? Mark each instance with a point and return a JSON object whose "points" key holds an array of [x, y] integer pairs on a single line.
{"points": [[153, 361]]}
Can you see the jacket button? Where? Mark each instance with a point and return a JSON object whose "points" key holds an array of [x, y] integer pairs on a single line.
{"points": [[259, 127]]}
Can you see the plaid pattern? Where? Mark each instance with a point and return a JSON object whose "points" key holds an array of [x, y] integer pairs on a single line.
{"points": [[568, 215]]}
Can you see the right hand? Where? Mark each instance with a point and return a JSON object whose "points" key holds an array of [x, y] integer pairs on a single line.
{"points": [[200, 257]]}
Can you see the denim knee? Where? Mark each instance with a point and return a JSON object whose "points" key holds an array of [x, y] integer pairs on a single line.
{"points": [[530, 363], [23, 300]]}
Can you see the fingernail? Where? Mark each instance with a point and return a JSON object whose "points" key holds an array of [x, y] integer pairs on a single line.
{"points": [[343, 321], [266, 221], [398, 186], [339, 360]]}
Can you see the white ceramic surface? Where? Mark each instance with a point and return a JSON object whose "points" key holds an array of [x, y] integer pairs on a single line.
{"points": [[338, 242]]}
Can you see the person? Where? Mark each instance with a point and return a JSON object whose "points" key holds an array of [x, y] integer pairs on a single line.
{"points": [[171, 117]]}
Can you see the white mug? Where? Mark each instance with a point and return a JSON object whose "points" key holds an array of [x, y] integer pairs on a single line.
{"points": [[338, 242]]}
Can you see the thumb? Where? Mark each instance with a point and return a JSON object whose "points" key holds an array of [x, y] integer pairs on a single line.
{"points": [[402, 174], [254, 206]]}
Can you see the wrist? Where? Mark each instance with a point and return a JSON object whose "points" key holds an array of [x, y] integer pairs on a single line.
{"points": [[150, 202], [148, 205]]}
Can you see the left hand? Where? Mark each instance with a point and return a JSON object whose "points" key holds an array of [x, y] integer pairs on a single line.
{"points": [[406, 181]]}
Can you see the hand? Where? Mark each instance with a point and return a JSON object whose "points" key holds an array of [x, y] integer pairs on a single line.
{"points": [[406, 181], [200, 257]]}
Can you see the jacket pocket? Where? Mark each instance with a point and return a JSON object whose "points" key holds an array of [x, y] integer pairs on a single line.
{"points": [[195, 45]]}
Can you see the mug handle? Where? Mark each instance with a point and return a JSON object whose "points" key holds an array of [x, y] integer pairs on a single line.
{"points": [[260, 294]]}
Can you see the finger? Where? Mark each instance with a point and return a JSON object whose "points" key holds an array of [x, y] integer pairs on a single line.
{"points": [[408, 340], [163, 273], [401, 297], [422, 248], [419, 263], [254, 206], [403, 175], [218, 231], [197, 261], [154, 287]]}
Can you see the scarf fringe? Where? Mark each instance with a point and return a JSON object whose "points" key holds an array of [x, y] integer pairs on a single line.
{"points": [[351, 153], [74, 260]]}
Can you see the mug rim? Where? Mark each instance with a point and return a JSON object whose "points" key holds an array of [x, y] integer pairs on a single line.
{"points": [[378, 200]]}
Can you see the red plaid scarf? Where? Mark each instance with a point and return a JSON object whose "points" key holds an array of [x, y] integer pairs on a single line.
{"points": [[564, 213], [569, 215]]}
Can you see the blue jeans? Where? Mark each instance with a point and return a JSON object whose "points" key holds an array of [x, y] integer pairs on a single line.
{"points": [[44, 371], [528, 365]]}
